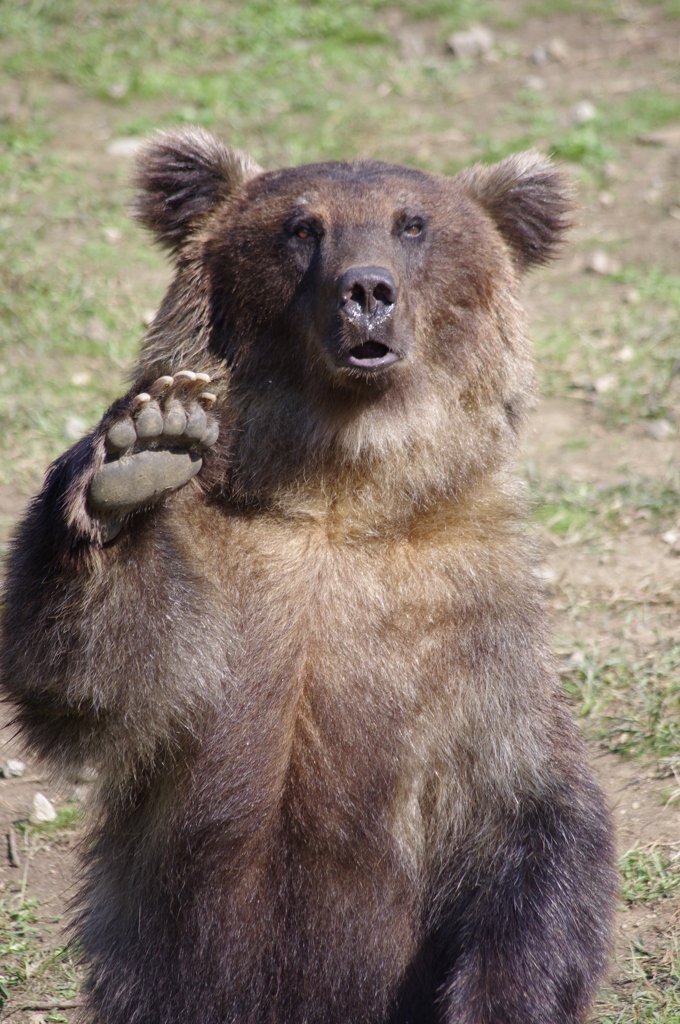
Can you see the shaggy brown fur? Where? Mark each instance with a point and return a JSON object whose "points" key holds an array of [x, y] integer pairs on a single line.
{"points": [[338, 783]]}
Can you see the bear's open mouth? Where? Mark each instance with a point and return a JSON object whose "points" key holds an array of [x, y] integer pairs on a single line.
{"points": [[372, 355]]}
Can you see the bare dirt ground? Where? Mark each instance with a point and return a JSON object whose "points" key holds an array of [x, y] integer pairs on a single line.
{"points": [[620, 590]]}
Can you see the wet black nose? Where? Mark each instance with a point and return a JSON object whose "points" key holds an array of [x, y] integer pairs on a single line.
{"points": [[367, 290]]}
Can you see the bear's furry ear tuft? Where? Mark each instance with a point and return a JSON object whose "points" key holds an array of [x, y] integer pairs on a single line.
{"points": [[529, 200], [181, 175]]}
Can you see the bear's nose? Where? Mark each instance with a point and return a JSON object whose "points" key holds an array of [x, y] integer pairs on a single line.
{"points": [[367, 290]]}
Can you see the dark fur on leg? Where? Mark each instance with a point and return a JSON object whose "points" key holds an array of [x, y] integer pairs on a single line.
{"points": [[528, 934]]}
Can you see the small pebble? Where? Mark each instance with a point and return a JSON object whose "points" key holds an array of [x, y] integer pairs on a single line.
{"points": [[12, 769], [583, 112], [539, 55], [125, 147], [670, 537], [606, 199], [558, 49], [42, 809], [74, 428], [534, 83], [112, 235], [81, 379], [626, 354], [659, 429], [607, 382], [117, 91], [474, 43], [601, 262]]}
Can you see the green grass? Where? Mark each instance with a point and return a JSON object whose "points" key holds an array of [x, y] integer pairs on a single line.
{"points": [[68, 818], [585, 511], [631, 707], [636, 343], [649, 993], [649, 875], [648, 988], [33, 964]]}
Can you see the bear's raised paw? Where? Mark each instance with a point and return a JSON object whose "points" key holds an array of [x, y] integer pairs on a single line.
{"points": [[154, 447]]}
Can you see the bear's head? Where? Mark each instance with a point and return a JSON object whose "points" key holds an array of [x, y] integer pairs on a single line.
{"points": [[361, 308]]}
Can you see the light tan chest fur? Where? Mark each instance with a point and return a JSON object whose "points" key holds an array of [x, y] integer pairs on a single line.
{"points": [[363, 663]]}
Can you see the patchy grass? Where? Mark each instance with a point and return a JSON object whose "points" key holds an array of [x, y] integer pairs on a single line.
{"points": [[68, 818], [629, 358], [649, 992], [649, 874], [584, 511], [36, 967], [631, 707], [33, 969]]}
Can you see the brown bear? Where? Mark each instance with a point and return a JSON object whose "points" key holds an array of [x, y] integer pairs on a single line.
{"points": [[283, 600]]}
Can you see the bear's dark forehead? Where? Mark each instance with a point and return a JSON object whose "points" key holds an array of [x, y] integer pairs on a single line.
{"points": [[340, 178]]}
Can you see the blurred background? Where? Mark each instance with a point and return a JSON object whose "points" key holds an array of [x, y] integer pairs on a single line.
{"points": [[435, 84]]}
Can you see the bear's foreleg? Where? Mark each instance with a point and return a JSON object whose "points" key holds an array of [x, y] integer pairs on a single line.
{"points": [[106, 647], [528, 937]]}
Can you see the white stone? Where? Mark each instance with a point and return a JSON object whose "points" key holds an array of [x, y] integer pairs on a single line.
{"points": [[659, 429], [125, 147], [74, 428], [474, 43], [558, 49], [670, 537], [539, 55], [601, 262], [534, 83], [117, 91], [626, 354], [606, 383], [42, 809], [583, 112], [12, 769]]}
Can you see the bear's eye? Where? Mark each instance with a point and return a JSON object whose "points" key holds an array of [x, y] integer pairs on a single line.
{"points": [[304, 231], [413, 228]]}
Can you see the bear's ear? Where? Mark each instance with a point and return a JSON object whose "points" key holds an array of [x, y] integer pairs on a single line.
{"points": [[181, 175], [529, 200]]}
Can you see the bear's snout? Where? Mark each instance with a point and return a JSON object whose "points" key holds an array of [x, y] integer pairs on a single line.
{"points": [[367, 291], [367, 297]]}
